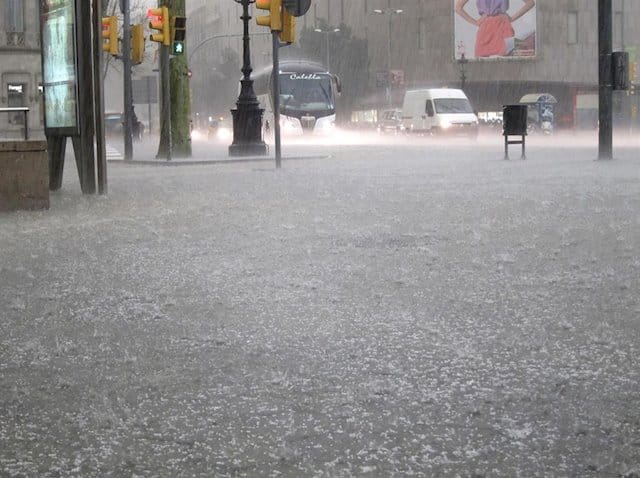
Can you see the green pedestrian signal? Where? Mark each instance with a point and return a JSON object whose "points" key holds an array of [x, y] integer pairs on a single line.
{"points": [[178, 47]]}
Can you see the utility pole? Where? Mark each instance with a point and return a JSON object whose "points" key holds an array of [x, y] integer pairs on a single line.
{"points": [[128, 93], [605, 77], [390, 12]]}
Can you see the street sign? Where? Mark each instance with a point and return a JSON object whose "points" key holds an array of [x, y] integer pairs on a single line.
{"points": [[297, 8]]}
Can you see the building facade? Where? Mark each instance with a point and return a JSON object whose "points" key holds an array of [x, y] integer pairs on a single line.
{"points": [[414, 43], [20, 67]]}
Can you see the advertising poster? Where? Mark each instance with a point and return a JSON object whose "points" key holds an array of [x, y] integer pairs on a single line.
{"points": [[59, 64], [494, 29]]}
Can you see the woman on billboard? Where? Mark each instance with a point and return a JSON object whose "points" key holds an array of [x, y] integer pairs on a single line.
{"points": [[494, 24]]}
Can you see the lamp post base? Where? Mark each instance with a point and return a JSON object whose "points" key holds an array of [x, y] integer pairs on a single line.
{"points": [[247, 132], [248, 149]]}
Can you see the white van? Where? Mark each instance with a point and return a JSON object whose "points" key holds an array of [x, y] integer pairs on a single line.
{"points": [[438, 110]]}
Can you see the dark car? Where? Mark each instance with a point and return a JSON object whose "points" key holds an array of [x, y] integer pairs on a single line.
{"points": [[390, 122], [113, 123]]}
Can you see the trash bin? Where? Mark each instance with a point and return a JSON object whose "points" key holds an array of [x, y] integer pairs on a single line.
{"points": [[514, 120]]}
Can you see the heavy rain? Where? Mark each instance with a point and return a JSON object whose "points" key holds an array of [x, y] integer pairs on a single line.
{"points": [[422, 258]]}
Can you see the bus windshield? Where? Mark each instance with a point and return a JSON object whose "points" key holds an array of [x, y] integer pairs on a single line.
{"points": [[306, 91], [453, 105]]}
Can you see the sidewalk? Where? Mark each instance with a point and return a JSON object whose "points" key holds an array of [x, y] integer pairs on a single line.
{"points": [[203, 152]]}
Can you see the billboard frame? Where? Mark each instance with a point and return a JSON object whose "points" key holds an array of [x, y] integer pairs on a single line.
{"points": [[457, 56], [62, 130]]}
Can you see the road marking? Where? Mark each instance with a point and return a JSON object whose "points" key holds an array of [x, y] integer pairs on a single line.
{"points": [[113, 154]]}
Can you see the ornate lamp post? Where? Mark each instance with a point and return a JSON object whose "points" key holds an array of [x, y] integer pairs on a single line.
{"points": [[247, 117], [462, 61]]}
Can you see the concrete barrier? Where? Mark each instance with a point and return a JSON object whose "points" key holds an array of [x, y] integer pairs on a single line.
{"points": [[24, 175]]}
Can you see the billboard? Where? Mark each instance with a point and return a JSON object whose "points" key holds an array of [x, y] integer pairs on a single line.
{"points": [[494, 29], [59, 66]]}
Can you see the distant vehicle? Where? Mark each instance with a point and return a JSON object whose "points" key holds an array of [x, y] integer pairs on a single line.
{"points": [[438, 111], [113, 123], [390, 122], [308, 95], [541, 116]]}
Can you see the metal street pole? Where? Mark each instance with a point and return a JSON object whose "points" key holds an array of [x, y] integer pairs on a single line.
{"points": [[275, 74], [463, 74], [327, 44], [98, 94], [390, 12], [128, 93], [605, 102], [165, 113], [328, 51]]}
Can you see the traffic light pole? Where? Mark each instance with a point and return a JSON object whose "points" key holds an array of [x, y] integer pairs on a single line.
{"points": [[275, 78], [128, 93], [605, 77], [165, 115], [98, 99]]}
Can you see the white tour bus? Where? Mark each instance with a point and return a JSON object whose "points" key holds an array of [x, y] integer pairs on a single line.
{"points": [[308, 95]]}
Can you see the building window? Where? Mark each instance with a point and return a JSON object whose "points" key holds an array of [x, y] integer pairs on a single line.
{"points": [[422, 34], [14, 16], [572, 28], [16, 98], [618, 30]]}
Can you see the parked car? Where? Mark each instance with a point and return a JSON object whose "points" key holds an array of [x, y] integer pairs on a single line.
{"points": [[113, 123], [390, 122]]}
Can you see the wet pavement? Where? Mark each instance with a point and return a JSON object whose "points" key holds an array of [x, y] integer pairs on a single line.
{"points": [[401, 308]]}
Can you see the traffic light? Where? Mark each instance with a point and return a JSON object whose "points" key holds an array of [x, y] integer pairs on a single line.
{"points": [[620, 70], [288, 33], [137, 44], [110, 35], [160, 22], [297, 8], [274, 19], [178, 34]]}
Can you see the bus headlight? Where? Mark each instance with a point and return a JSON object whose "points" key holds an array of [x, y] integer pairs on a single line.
{"points": [[290, 125], [326, 124], [444, 124]]}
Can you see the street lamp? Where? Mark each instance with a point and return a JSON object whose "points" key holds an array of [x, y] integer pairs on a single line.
{"points": [[390, 12], [326, 34], [462, 62], [247, 117]]}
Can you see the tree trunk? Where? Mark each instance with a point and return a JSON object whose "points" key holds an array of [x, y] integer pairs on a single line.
{"points": [[180, 94]]}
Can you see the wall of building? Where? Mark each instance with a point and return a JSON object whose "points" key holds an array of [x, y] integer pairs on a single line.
{"points": [[419, 42]]}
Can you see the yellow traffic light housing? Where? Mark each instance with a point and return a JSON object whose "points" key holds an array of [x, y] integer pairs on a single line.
{"points": [[288, 33], [160, 22], [110, 35], [137, 44], [633, 71], [274, 19]]}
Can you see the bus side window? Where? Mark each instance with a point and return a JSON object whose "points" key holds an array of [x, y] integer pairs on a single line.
{"points": [[429, 109]]}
